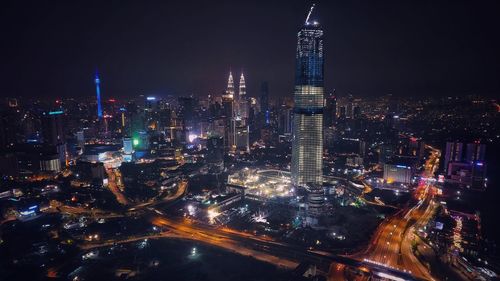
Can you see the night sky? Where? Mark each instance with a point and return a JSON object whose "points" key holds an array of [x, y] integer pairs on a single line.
{"points": [[404, 47]]}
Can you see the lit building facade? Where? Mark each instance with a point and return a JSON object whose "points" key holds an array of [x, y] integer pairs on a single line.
{"points": [[229, 114], [242, 99], [397, 173], [307, 139]]}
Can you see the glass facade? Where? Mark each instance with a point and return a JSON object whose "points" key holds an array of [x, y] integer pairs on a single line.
{"points": [[307, 141]]}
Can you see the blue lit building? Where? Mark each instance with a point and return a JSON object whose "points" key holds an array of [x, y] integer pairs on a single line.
{"points": [[307, 138]]}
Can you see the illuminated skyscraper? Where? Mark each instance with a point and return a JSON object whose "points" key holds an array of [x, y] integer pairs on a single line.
{"points": [[307, 140], [242, 99], [229, 115], [230, 85], [98, 95]]}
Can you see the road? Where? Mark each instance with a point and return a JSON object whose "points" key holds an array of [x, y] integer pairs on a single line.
{"points": [[115, 185], [234, 241], [391, 245], [261, 248], [114, 180], [181, 190]]}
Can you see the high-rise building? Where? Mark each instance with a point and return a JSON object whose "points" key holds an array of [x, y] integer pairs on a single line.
{"points": [[466, 169], [475, 152], [397, 173], [52, 128], [285, 120], [330, 110], [188, 115], [228, 115], [230, 85], [242, 99], [453, 153], [97, 82], [307, 139], [53, 132], [242, 138]]}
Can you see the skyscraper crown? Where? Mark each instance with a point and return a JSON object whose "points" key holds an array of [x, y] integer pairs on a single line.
{"points": [[230, 84]]}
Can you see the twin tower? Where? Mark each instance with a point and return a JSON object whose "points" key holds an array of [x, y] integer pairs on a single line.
{"points": [[241, 103]]}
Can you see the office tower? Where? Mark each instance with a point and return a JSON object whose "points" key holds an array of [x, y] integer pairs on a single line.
{"points": [[50, 163], [52, 128], [285, 120], [453, 153], [330, 110], [98, 95], [475, 152], [242, 138], [227, 106], [188, 114], [469, 170], [307, 139], [397, 173], [53, 132], [242, 99], [229, 114], [230, 85]]}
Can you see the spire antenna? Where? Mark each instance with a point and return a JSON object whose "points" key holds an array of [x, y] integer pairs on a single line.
{"points": [[309, 14]]}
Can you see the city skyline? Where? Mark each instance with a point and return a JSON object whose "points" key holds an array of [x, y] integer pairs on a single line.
{"points": [[243, 183], [140, 52]]}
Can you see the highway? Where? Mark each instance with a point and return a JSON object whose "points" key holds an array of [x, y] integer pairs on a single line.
{"points": [[180, 191], [391, 245], [233, 241], [262, 248]]}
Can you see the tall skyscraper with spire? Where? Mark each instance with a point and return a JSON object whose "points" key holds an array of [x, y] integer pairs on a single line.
{"points": [[242, 99], [97, 82], [307, 141], [230, 85], [229, 114]]}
